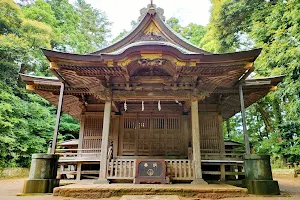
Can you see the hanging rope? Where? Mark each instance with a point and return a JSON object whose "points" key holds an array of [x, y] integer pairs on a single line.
{"points": [[159, 106], [125, 106], [179, 103]]}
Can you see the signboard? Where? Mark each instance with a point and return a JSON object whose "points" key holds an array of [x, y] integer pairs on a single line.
{"points": [[150, 171]]}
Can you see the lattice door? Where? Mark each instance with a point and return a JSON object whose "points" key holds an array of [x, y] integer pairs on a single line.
{"points": [[151, 134], [158, 142], [173, 135], [129, 129], [210, 133], [144, 135], [92, 133]]}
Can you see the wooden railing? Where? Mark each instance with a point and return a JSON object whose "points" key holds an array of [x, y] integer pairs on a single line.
{"points": [[78, 154], [180, 169], [209, 154], [125, 169], [121, 169]]}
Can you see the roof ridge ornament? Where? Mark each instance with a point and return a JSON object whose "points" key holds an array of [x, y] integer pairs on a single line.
{"points": [[152, 10]]}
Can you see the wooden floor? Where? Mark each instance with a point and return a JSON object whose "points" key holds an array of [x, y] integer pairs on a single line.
{"points": [[88, 190]]}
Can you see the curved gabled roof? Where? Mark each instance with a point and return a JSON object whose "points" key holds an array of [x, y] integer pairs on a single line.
{"points": [[152, 24]]}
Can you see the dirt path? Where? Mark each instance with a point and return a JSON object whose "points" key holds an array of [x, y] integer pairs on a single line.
{"points": [[10, 187]]}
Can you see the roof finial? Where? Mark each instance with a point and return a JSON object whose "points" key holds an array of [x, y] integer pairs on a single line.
{"points": [[151, 2]]}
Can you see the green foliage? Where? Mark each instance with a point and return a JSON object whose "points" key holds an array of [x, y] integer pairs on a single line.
{"points": [[174, 24], [192, 32], [273, 122], [23, 130], [27, 120]]}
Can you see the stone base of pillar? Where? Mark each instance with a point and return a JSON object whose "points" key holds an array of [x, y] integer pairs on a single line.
{"points": [[42, 176], [259, 179], [40, 186], [199, 181], [101, 181]]}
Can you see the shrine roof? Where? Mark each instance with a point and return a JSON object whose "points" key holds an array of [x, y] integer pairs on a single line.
{"points": [[151, 62], [157, 47], [151, 26]]}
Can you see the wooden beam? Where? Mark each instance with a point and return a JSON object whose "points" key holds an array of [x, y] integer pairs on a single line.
{"points": [[58, 114]]}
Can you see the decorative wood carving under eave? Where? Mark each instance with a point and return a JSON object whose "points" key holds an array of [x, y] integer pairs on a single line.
{"points": [[152, 28]]}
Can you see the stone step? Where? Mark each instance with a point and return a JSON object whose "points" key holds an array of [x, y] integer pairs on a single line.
{"points": [[94, 191], [150, 197]]}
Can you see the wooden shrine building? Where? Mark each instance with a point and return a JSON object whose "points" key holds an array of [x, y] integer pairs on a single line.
{"points": [[151, 95]]}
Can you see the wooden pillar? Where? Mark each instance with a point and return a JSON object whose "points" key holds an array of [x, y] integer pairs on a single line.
{"points": [[78, 171], [196, 144], [246, 138], [80, 145], [185, 131], [58, 114], [223, 172], [116, 125], [222, 144], [104, 144], [81, 132]]}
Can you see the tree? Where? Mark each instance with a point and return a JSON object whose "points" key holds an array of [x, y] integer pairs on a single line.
{"points": [[82, 28], [273, 26], [174, 24], [39, 24], [194, 33]]}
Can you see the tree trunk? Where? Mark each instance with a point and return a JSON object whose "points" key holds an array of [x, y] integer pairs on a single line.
{"points": [[265, 116]]}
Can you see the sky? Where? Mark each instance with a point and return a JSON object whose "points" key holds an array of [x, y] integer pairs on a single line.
{"points": [[122, 12]]}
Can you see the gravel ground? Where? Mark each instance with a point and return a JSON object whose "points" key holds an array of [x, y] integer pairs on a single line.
{"points": [[9, 188]]}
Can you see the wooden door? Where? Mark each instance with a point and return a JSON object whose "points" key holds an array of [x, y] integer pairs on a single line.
{"points": [[158, 142], [143, 135], [151, 134], [173, 136], [128, 135]]}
